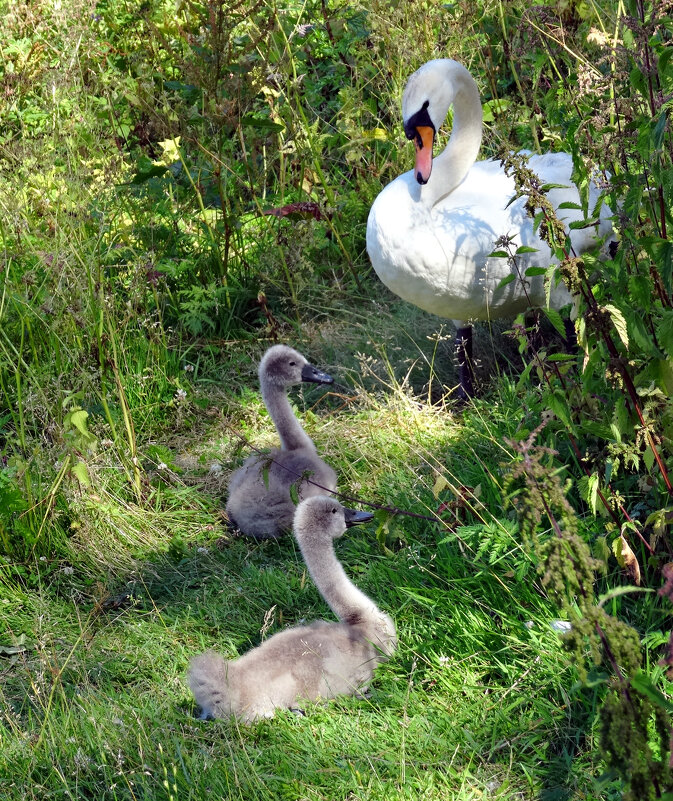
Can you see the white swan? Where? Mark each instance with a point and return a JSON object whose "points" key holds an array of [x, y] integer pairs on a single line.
{"points": [[321, 660], [259, 502], [431, 230]]}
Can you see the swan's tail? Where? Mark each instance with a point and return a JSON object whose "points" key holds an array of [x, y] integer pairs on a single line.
{"points": [[210, 679]]}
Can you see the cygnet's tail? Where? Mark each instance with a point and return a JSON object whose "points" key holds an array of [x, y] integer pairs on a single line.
{"points": [[210, 678]]}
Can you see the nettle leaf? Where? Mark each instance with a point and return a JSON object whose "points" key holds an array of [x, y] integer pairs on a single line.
{"points": [[558, 404], [556, 320], [661, 253], [78, 419], [504, 281], [641, 289], [525, 249], [632, 201], [619, 323], [152, 172], [535, 271], [643, 683], [263, 123], [640, 334], [567, 204], [659, 130], [648, 457], [81, 473], [588, 487], [498, 254], [659, 371], [294, 494], [664, 63], [665, 331]]}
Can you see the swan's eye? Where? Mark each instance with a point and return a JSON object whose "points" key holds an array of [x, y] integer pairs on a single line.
{"points": [[333, 511], [293, 364]]}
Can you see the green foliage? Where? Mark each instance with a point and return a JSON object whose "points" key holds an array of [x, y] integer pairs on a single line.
{"points": [[635, 724]]}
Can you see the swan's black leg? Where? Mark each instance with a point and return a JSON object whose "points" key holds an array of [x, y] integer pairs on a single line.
{"points": [[463, 350]]}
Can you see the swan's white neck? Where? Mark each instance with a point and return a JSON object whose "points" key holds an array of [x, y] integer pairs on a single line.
{"points": [[292, 435], [347, 602], [446, 82]]}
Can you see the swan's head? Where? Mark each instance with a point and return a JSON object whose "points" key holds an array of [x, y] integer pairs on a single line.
{"points": [[321, 518], [282, 366], [428, 95]]}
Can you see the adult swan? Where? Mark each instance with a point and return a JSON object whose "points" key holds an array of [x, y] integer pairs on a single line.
{"points": [[431, 230]]}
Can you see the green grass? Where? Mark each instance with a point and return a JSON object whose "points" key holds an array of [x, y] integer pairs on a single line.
{"points": [[473, 703], [131, 324]]}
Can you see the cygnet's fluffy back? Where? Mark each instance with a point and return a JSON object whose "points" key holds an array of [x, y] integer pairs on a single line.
{"points": [[260, 499]]}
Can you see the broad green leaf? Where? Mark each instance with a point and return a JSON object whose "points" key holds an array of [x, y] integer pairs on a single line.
{"points": [[643, 683], [81, 473], [535, 271], [659, 129], [558, 403], [505, 280], [556, 320], [619, 323], [579, 225], [525, 249], [491, 108], [153, 172], [567, 204], [588, 487], [498, 254], [263, 123], [78, 420], [665, 331]]}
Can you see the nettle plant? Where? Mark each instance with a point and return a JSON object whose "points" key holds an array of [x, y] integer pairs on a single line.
{"points": [[609, 407], [634, 729], [613, 400]]}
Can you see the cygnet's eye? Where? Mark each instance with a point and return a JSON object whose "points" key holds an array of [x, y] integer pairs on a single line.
{"points": [[293, 364], [333, 511]]}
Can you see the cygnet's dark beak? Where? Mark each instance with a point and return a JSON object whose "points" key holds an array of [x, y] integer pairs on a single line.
{"points": [[315, 376], [354, 518]]}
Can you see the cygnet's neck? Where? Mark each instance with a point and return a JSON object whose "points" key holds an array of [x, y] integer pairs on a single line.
{"points": [[347, 602], [292, 435], [452, 165]]}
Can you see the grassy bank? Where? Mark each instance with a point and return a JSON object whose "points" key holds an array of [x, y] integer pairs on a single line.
{"points": [[182, 185]]}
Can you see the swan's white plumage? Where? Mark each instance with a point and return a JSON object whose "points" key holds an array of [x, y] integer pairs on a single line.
{"points": [[430, 244]]}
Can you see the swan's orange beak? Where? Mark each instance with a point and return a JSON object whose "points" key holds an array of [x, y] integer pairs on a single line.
{"points": [[424, 140]]}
